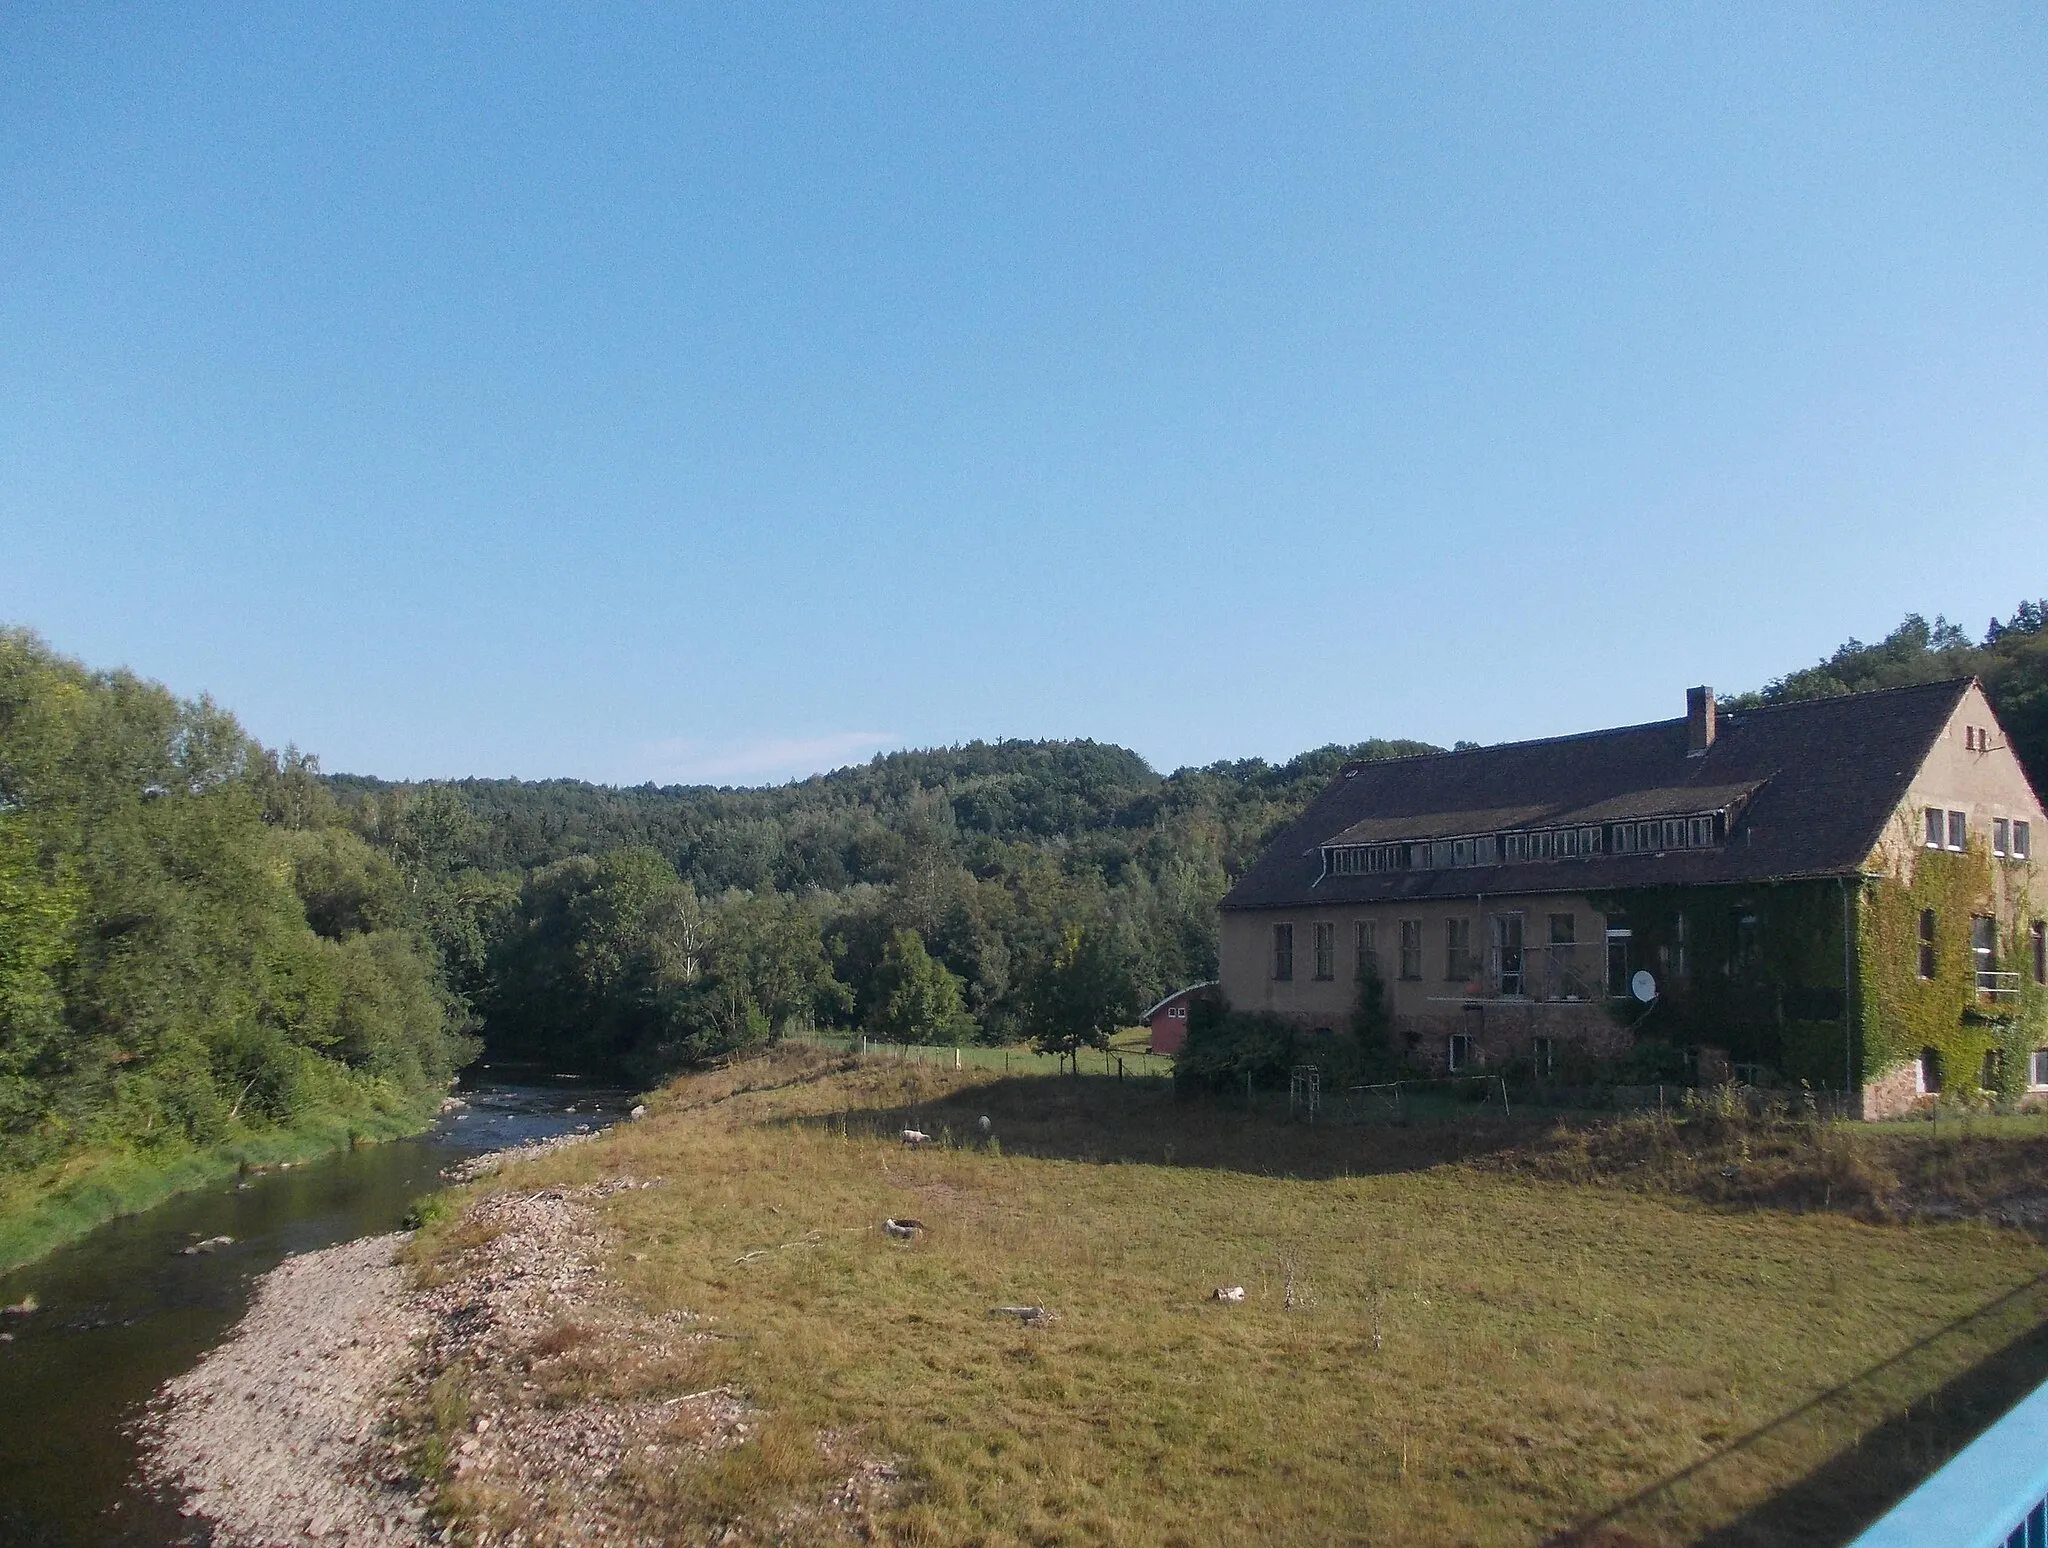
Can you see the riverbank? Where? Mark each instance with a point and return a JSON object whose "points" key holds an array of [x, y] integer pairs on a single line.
{"points": [[363, 1400], [1424, 1346], [273, 1436], [42, 1209]]}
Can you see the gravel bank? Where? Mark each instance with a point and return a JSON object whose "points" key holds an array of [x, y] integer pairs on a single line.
{"points": [[317, 1421], [274, 1435]]}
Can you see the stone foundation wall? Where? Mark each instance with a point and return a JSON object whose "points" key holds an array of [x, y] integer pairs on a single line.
{"points": [[1893, 1094], [1503, 1032]]}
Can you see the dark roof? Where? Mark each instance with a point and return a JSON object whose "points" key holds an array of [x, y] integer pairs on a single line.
{"points": [[1809, 788]]}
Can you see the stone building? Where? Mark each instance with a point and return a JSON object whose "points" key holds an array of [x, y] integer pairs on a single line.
{"points": [[1842, 891]]}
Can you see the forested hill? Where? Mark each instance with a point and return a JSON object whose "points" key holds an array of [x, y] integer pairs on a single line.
{"points": [[850, 826], [987, 890]]}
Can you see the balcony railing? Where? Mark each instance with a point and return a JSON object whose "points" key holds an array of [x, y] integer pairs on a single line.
{"points": [[1565, 972], [1998, 985]]}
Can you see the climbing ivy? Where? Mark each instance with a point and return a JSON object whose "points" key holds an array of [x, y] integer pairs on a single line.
{"points": [[1903, 1013], [1757, 970]]}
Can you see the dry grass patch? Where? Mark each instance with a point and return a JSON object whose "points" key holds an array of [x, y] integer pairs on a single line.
{"points": [[1469, 1356]]}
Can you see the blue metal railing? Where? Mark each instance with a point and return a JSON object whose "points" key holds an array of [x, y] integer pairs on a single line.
{"points": [[1992, 1494]]}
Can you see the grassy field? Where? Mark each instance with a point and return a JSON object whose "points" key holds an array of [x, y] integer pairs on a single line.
{"points": [[1445, 1337]]}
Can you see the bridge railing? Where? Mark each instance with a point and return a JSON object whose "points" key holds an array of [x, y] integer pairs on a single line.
{"points": [[1991, 1494]]}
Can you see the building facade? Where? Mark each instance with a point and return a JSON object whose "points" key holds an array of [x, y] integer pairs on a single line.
{"points": [[1844, 891]]}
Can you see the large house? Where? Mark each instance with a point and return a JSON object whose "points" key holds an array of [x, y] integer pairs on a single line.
{"points": [[1842, 891]]}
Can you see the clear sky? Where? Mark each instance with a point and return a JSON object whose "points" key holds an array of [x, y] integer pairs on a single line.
{"points": [[683, 392]]}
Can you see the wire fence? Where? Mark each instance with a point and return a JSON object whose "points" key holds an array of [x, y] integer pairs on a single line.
{"points": [[1124, 1063]]}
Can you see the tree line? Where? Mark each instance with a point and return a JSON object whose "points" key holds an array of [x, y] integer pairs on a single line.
{"points": [[991, 892], [191, 943]]}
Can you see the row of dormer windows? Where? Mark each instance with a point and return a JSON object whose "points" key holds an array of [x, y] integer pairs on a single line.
{"points": [[1700, 830]]}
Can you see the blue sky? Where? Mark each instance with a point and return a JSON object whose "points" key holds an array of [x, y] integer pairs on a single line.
{"points": [[693, 393]]}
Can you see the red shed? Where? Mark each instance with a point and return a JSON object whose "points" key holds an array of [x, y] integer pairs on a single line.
{"points": [[1169, 1018]]}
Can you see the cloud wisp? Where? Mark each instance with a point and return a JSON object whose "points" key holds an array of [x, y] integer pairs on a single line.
{"points": [[763, 761]]}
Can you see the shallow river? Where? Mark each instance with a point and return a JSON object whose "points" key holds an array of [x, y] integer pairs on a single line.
{"points": [[125, 1309]]}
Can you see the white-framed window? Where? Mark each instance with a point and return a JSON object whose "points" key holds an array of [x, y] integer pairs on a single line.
{"points": [[1283, 952], [1618, 940], [1937, 827], [1984, 954], [1460, 1054], [1927, 1073], [1958, 830], [2037, 1069], [1368, 965], [1543, 1054], [1508, 963], [2000, 829], [2022, 839]]}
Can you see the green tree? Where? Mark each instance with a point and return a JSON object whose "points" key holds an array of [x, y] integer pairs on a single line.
{"points": [[917, 999], [187, 946], [1080, 994]]}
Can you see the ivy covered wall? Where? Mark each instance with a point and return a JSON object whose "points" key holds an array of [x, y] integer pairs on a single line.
{"points": [[1756, 970], [1762, 972], [1904, 1012]]}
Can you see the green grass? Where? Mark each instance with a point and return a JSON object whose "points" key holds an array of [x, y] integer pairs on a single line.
{"points": [[44, 1208], [1473, 1354]]}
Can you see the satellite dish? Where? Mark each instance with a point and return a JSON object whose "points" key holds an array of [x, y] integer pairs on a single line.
{"points": [[1643, 986]]}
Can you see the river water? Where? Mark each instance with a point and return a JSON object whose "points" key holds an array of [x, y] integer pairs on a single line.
{"points": [[126, 1308]]}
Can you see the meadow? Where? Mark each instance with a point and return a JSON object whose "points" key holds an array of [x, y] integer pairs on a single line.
{"points": [[1471, 1329]]}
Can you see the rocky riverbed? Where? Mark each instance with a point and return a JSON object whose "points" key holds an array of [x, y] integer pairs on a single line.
{"points": [[276, 1435], [326, 1417]]}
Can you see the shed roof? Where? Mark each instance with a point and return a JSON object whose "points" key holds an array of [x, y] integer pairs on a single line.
{"points": [[1812, 785]]}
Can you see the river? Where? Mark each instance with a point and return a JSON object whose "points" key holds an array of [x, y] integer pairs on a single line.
{"points": [[126, 1308]]}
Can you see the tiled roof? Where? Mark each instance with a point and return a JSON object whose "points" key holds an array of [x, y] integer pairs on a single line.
{"points": [[1810, 786]]}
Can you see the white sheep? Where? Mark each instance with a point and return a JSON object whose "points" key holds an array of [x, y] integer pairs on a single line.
{"points": [[916, 1137]]}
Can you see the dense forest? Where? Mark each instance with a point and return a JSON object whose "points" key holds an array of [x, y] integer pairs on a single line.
{"points": [[199, 935], [991, 891]]}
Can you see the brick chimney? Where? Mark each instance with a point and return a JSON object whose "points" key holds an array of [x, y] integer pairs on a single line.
{"points": [[1699, 720]]}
